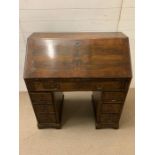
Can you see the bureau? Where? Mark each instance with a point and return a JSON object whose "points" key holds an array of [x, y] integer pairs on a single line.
{"points": [[98, 62]]}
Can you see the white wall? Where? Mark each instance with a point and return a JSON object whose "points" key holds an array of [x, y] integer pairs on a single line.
{"points": [[77, 16]]}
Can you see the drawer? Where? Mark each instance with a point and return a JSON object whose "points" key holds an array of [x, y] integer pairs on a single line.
{"points": [[42, 85], [109, 85], [114, 96], [76, 85], [91, 85], [109, 118], [41, 98], [43, 108], [46, 118], [111, 108]]}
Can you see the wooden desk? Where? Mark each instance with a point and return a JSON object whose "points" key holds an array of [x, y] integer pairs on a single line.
{"points": [[57, 62]]}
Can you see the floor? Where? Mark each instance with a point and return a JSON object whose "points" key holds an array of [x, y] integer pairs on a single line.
{"points": [[78, 135]]}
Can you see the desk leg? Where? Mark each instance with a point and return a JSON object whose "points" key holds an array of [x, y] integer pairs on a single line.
{"points": [[106, 119], [48, 108]]}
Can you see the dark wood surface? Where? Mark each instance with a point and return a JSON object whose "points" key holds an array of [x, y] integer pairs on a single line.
{"points": [[98, 62], [77, 55]]}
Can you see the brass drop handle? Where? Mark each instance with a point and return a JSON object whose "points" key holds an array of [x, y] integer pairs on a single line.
{"points": [[54, 89], [99, 88]]}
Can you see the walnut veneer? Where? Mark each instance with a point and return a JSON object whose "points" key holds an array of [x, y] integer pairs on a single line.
{"points": [[98, 62]]}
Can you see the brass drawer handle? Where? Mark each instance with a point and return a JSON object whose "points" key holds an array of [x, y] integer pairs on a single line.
{"points": [[54, 89], [99, 88]]}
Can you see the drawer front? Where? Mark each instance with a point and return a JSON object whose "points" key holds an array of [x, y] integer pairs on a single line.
{"points": [[109, 118], [42, 85], [46, 118], [76, 85], [41, 98], [111, 108], [43, 108], [86, 86], [113, 97]]}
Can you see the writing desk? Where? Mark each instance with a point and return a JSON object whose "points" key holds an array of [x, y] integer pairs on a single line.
{"points": [[97, 62]]}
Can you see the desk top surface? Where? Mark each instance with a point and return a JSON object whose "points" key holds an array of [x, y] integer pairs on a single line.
{"points": [[77, 55]]}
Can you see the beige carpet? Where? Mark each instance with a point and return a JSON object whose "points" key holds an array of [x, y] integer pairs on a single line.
{"points": [[78, 135]]}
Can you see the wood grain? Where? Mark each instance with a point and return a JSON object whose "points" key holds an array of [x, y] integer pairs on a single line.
{"points": [[77, 55], [98, 62]]}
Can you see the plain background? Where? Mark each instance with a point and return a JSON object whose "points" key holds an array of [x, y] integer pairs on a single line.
{"points": [[74, 16]]}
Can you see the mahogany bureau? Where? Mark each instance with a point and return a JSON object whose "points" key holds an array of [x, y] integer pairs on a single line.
{"points": [[97, 62]]}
